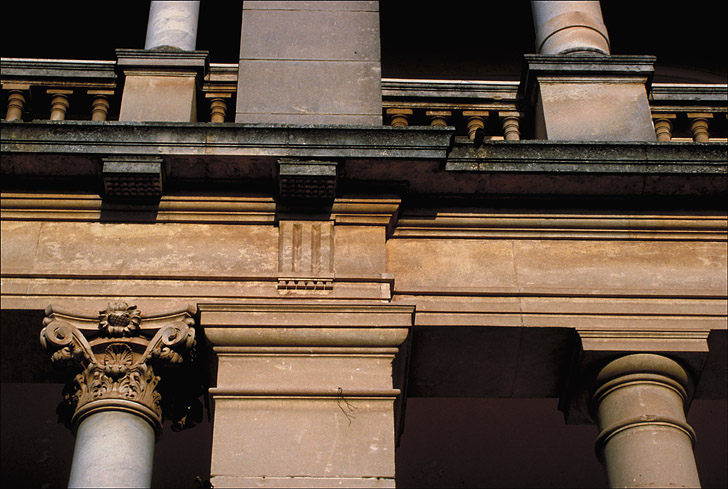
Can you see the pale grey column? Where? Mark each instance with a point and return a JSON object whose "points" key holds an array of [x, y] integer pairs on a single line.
{"points": [[172, 25], [569, 27], [113, 449]]}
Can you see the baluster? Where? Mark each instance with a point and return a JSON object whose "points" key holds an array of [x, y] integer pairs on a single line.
{"points": [[399, 117], [475, 120], [438, 118], [699, 126], [663, 126], [100, 104], [59, 103], [218, 105], [510, 120], [16, 101]]}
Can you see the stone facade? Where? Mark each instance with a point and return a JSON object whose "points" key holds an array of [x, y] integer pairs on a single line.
{"points": [[323, 244]]}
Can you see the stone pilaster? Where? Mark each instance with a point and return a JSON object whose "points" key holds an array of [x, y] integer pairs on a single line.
{"points": [[312, 62], [114, 401], [304, 394]]}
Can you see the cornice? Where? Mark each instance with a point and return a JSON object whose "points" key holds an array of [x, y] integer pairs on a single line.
{"points": [[203, 139], [420, 159], [505, 225], [589, 157]]}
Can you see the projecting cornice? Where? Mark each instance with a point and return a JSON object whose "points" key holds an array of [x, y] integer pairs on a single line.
{"points": [[202, 139], [589, 157], [418, 159]]}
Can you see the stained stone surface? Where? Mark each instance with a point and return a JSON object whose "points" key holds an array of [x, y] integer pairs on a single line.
{"points": [[310, 63]]}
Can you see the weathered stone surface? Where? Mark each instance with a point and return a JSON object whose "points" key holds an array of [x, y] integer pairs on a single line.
{"points": [[172, 25], [310, 63], [318, 92], [595, 266], [593, 112], [569, 27], [153, 78], [139, 249], [360, 250], [605, 97], [303, 437], [305, 391], [145, 99]]}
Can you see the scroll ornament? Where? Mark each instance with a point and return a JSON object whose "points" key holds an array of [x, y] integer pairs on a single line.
{"points": [[116, 366]]}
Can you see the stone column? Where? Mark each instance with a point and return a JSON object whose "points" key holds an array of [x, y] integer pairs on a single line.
{"points": [[304, 394], [569, 27], [644, 438], [114, 402], [638, 400], [127, 438], [172, 25]]}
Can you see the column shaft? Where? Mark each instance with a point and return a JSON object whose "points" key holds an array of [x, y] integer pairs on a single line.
{"points": [[172, 25], [644, 438], [569, 27], [113, 449]]}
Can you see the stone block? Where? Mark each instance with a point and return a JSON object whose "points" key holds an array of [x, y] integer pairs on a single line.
{"points": [[310, 63], [428, 264], [323, 92], [317, 5], [17, 245], [310, 35], [159, 98], [287, 372], [305, 437], [168, 250], [581, 111], [360, 250], [323, 482]]}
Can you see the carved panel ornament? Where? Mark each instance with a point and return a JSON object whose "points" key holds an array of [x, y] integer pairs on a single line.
{"points": [[116, 363]]}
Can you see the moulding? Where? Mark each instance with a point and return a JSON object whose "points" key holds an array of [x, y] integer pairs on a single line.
{"points": [[592, 157], [507, 225]]}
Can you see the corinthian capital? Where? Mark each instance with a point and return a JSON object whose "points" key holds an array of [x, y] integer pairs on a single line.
{"points": [[117, 359]]}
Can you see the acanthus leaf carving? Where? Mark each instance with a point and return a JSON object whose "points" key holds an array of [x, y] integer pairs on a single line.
{"points": [[120, 363]]}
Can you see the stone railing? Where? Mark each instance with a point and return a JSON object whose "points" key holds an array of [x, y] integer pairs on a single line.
{"points": [[683, 112], [42, 89]]}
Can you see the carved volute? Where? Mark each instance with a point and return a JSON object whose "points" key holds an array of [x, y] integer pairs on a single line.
{"points": [[117, 359]]}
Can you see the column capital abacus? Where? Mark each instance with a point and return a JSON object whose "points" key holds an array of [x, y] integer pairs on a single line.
{"points": [[116, 358], [603, 355]]}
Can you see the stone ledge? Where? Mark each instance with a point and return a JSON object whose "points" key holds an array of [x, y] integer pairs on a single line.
{"points": [[203, 139], [635, 67], [590, 157]]}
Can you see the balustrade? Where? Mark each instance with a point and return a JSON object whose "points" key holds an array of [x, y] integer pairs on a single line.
{"points": [[61, 90]]}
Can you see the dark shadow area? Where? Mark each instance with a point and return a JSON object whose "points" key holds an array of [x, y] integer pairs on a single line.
{"points": [[451, 442], [462, 40], [37, 451]]}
